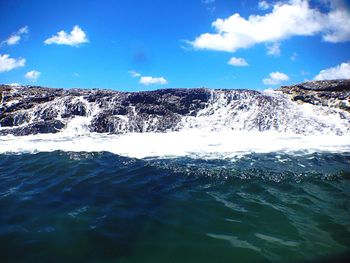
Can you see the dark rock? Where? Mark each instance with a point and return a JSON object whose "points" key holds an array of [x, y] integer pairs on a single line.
{"points": [[3, 88], [7, 121], [142, 98], [35, 128], [77, 109], [330, 93], [104, 123], [120, 110], [14, 120], [153, 109], [47, 114]]}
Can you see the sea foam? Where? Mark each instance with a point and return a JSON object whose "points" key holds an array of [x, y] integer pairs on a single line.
{"points": [[189, 143]]}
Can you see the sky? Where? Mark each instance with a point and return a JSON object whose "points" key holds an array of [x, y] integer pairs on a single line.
{"points": [[134, 45]]}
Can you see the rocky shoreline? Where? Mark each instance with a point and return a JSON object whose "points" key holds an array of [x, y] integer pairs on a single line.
{"points": [[31, 109]]}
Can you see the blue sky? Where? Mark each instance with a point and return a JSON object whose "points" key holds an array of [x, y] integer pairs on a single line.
{"points": [[142, 45]]}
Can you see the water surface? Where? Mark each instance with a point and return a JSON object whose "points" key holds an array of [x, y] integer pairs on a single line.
{"points": [[102, 207]]}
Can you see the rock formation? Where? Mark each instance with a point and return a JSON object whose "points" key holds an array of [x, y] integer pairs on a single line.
{"points": [[31, 110], [330, 93]]}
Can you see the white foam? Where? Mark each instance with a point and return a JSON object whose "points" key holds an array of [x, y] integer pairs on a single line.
{"points": [[190, 143]]}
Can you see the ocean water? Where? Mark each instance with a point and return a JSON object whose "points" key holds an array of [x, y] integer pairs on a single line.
{"points": [[65, 206], [253, 177]]}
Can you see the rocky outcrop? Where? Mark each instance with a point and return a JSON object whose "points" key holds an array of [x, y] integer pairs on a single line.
{"points": [[330, 93], [28, 110], [32, 110]]}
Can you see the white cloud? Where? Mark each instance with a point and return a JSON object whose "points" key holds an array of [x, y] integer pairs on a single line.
{"points": [[238, 62], [16, 37], [274, 49], [146, 80], [7, 63], [32, 75], [275, 78], [134, 74], [76, 37], [264, 5], [341, 71], [13, 40], [288, 19], [337, 25]]}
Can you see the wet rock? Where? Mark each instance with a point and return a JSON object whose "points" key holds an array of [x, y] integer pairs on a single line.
{"points": [[14, 119], [3, 88], [104, 123], [47, 114], [330, 93], [31, 109], [35, 128], [120, 111], [75, 109], [153, 109]]}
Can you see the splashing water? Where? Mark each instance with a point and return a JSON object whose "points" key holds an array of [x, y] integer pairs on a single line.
{"points": [[268, 111], [230, 124]]}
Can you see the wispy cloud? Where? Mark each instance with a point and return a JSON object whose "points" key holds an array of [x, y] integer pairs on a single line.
{"points": [[75, 38], [134, 74], [264, 5], [288, 19], [275, 78], [274, 49], [32, 75], [304, 73], [209, 5], [238, 62], [16, 37], [341, 71], [7, 63], [207, 2], [294, 56]]}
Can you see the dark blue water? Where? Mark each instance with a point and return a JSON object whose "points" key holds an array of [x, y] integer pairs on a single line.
{"points": [[100, 207]]}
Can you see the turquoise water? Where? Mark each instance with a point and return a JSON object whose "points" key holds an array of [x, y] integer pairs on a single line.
{"points": [[100, 207]]}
